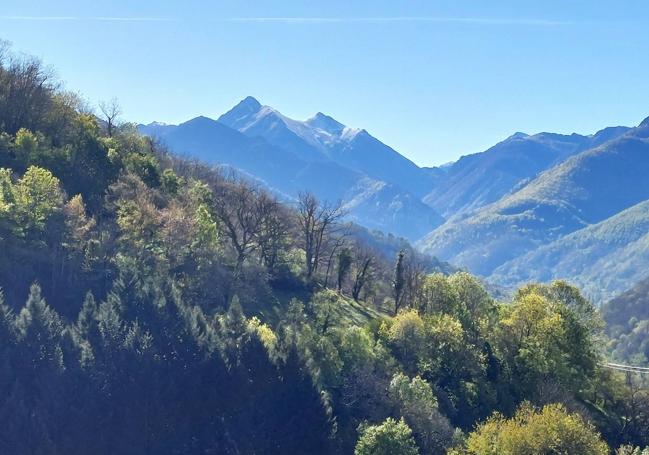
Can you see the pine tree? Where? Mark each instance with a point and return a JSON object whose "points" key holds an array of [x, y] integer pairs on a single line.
{"points": [[40, 329], [304, 424], [399, 280], [8, 343], [87, 319]]}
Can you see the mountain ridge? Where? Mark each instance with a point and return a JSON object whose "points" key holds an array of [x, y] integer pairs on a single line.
{"points": [[602, 258], [289, 164], [582, 190], [354, 148], [476, 180]]}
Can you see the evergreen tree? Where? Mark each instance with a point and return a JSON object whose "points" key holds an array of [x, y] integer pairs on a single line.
{"points": [[399, 280], [304, 423], [41, 330]]}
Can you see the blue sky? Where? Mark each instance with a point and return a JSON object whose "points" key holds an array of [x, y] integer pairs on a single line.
{"points": [[433, 79]]}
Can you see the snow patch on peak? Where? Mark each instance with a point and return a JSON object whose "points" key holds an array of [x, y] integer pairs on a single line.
{"points": [[265, 114], [267, 110], [518, 135], [325, 123], [240, 113], [348, 133], [320, 131]]}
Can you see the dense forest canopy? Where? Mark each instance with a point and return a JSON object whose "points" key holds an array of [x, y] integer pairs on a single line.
{"points": [[156, 305]]}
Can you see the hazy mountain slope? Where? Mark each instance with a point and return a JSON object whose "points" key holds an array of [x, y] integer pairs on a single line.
{"points": [[627, 324], [212, 142], [603, 259], [254, 120], [632, 303], [382, 206], [363, 152], [585, 189], [370, 202], [482, 178], [322, 136]]}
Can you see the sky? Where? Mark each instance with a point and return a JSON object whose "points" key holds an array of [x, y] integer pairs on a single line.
{"points": [[433, 79]]}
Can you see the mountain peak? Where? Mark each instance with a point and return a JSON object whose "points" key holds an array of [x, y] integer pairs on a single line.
{"points": [[644, 123], [518, 135], [200, 120], [325, 122], [249, 102], [244, 109], [156, 123]]}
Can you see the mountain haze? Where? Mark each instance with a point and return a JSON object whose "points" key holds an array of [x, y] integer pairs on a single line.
{"points": [[320, 155], [627, 324], [482, 178], [212, 142], [532, 207], [602, 258], [322, 137], [585, 189]]}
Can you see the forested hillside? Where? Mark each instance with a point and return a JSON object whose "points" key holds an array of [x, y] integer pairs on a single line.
{"points": [[627, 321], [152, 304], [585, 196], [601, 258], [479, 179]]}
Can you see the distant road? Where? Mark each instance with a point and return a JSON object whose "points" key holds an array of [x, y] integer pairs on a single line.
{"points": [[626, 368]]}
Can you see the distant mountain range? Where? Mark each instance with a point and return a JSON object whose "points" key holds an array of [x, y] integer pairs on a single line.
{"points": [[565, 223], [379, 188], [482, 178], [532, 207]]}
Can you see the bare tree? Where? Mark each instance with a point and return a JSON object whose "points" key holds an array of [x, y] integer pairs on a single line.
{"points": [[410, 272], [5, 47], [273, 236], [415, 274], [337, 242], [24, 78], [244, 212], [111, 111], [635, 408], [345, 260], [364, 259], [317, 221]]}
